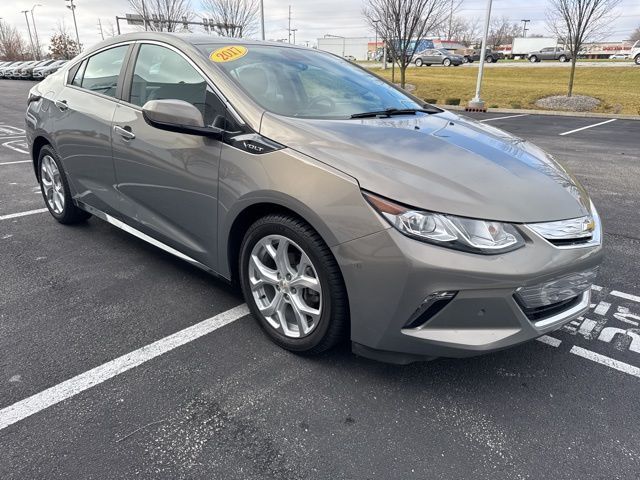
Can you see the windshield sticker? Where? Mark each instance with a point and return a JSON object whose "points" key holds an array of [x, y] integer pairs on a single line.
{"points": [[228, 54]]}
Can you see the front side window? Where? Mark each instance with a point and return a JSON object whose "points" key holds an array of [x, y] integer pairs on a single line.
{"points": [[161, 73], [102, 71], [308, 84]]}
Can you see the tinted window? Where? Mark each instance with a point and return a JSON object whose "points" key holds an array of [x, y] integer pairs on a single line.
{"points": [[77, 78], [307, 83], [160, 74], [102, 71]]}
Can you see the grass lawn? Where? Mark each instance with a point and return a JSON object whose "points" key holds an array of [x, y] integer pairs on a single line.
{"points": [[520, 87]]}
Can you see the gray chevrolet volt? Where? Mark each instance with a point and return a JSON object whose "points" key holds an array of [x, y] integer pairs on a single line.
{"points": [[341, 205]]}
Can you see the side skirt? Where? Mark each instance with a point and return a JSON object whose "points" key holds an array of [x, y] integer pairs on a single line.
{"points": [[143, 236]]}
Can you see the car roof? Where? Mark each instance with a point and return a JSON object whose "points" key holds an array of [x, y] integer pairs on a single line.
{"points": [[193, 39]]}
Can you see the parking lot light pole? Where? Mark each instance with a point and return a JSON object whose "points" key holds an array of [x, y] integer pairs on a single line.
{"points": [[476, 104], [33, 50], [72, 7], [262, 18], [35, 31]]}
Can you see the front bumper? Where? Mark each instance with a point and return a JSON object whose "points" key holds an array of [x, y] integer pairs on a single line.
{"points": [[388, 277]]}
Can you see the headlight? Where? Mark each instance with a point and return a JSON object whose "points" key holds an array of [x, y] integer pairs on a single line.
{"points": [[467, 234]]}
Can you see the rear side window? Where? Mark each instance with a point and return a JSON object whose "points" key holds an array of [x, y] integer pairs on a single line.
{"points": [[77, 78], [162, 74], [102, 71]]}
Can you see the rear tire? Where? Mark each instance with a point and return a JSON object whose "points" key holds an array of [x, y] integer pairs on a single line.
{"points": [[419, 62], [489, 59], [55, 189], [637, 60], [304, 310]]}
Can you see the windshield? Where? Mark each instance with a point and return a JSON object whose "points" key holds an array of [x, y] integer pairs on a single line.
{"points": [[307, 83]]}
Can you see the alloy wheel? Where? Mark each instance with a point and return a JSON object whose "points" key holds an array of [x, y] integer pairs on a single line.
{"points": [[52, 184], [285, 286]]}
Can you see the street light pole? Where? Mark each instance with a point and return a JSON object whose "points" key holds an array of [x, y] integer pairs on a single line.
{"points": [[35, 31], [262, 17], [476, 104], [72, 7], [33, 50], [524, 28], [375, 48], [294, 30]]}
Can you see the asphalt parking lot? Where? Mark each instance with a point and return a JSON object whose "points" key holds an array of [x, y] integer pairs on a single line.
{"points": [[90, 387]]}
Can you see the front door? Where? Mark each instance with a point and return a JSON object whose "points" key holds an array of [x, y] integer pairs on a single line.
{"points": [[168, 181]]}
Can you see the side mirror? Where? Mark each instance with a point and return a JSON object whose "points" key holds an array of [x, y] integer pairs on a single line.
{"points": [[177, 116]]}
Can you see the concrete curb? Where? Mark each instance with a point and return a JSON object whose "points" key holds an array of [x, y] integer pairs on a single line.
{"points": [[548, 112]]}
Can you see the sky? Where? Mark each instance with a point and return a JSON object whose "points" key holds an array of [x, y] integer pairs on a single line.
{"points": [[312, 18]]}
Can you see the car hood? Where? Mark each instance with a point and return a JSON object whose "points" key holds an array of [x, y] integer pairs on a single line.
{"points": [[440, 162]]}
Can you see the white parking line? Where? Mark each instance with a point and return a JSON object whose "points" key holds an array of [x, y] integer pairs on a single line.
{"points": [[69, 388], [554, 342], [588, 126], [504, 118], [12, 163], [626, 296], [23, 214], [603, 360]]}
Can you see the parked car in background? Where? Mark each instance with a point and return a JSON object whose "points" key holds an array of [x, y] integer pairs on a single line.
{"points": [[16, 72], [351, 58], [27, 72], [10, 72], [550, 53], [43, 72], [438, 56], [5, 69], [635, 52], [473, 55], [618, 56]]}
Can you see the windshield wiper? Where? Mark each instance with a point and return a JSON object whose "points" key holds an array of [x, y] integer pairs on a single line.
{"points": [[394, 111]]}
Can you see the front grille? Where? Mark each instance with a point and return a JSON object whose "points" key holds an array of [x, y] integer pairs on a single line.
{"points": [[539, 313], [555, 291]]}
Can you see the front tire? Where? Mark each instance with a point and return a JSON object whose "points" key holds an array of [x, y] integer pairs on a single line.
{"points": [[533, 59], [637, 60], [293, 285], [55, 188], [562, 58], [446, 62]]}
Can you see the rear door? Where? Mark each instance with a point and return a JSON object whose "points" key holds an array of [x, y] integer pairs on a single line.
{"points": [[168, 181], [82, 118]]}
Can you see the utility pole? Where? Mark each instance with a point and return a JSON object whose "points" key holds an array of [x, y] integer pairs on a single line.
{"points": [[72, 7], [35, 32], [524, 27], [294, 30], [262, 17], [476, 104], [289, 28], [375, 48], [100, 27], [33, 50]]}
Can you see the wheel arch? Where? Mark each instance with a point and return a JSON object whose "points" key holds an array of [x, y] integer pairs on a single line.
{"points": [[36, 147], [245, 216]]}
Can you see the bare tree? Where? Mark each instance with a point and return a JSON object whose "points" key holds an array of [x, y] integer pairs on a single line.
{"points": [[577, 21], [635, 36], [402, 25], [233, 18], [12, 44], [164, 15], [502, 31]]}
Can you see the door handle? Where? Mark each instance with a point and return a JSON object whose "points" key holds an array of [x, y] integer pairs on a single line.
{"points": [[124, 132], [62, 105]]}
